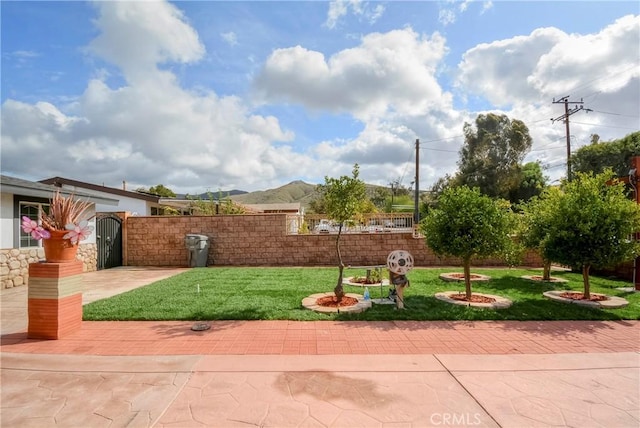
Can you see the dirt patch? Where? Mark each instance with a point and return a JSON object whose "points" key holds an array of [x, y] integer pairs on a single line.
{"points": [[475, 298], [331, 302], [580, 296]]}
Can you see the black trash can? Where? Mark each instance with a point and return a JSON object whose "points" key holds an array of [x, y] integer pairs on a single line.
{"points": [[198, 246]]}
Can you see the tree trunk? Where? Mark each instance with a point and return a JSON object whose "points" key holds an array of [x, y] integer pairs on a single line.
{"points": [[467, 277], [339, 289], [546, 270], [585, 280]]}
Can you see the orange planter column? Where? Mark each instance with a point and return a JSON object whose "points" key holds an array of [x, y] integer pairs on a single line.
{"points": [[55, 299]]}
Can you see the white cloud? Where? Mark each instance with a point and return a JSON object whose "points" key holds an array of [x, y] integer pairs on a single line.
{"points": [[387, 73], [151, 129], [230, 38], [525, 73], [137, 36], [362, 10], [450, 9]]}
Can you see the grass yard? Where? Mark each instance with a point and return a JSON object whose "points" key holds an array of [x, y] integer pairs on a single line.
{"points": [[276, 293]]}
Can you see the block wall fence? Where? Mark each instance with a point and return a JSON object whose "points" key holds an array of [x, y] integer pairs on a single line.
{"points": [[261, 240]]}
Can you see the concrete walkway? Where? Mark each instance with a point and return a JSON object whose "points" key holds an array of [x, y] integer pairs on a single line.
{"points": [[316, 374]]}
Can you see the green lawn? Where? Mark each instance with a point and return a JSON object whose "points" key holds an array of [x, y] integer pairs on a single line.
{"points": [[276, 293]]}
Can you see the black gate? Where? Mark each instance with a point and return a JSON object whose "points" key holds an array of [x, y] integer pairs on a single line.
{"points": [[109, 240]]}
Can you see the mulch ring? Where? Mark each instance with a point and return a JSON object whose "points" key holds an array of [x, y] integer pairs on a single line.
{"points": [[580, 296], [478, 300], [596, 300], [329, 305], [332, 301], [459, 277], [475, 298]]}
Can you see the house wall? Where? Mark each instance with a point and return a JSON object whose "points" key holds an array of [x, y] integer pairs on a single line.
{"points": [[6, 220], [260, 240]]}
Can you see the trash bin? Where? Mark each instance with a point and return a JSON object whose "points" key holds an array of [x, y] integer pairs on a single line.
{"points": [[198, 246]]}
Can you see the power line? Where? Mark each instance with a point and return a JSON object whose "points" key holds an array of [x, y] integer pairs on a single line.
{"points": [[605, 126], [590, 82], [614, 114]]}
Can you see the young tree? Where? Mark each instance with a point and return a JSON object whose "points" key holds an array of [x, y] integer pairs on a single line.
{"points": [[591, 223], [467, 224], [344, 198]]}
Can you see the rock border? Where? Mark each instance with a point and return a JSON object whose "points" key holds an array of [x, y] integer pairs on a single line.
{"points": [[552, 279], [448, 276], [500, 303], [612, 302], [362, 305], [347, 281]]}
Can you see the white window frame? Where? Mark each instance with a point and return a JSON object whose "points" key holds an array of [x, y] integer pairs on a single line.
{"points": [[21, 234]]}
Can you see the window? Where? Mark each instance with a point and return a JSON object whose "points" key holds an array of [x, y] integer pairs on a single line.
{"points": [[31, 210]]}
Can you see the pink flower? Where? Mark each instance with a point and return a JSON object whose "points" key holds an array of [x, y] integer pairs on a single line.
{"points": [[36, 231], [78, 232]]}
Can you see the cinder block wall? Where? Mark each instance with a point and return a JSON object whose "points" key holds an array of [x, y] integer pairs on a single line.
{"points": [[261, 240]]}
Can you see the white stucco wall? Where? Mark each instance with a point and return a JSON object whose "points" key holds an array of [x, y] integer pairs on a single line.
{"points": [[6, 220], [125, 204]]}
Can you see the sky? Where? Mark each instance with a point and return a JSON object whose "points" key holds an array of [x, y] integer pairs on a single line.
{"points": [[219, 95]]}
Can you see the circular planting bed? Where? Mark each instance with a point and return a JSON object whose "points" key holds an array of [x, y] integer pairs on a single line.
{"points": [[325, 303], [478, 300], [597, 300], [459, 277], [361, 281], [538, 278]]}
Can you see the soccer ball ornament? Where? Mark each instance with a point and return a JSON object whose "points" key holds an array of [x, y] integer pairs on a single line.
{"points": [[400, 262]]}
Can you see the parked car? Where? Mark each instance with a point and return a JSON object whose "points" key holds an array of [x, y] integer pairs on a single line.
{"points": [[324, 226]]}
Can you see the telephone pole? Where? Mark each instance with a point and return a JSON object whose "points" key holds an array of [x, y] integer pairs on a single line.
{"points": [[416, 201], [565, 117]]}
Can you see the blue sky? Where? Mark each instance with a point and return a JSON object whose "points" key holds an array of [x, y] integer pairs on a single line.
{"points": [[253, 95]]}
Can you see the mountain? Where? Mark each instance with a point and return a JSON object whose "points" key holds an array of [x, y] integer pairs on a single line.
{"points": [[205, 196], [296, 191]]}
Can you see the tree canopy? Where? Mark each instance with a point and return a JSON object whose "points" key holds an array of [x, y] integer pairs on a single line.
{"points": [[491, 155], [532, 182], [159, 190], [589, 223], [468, 224], [615, 154]]}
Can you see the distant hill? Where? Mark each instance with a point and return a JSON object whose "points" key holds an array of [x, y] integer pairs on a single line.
{"points": [[205, 195], [296, 191]]}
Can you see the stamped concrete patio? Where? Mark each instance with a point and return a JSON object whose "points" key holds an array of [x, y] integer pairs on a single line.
{"points": [[316, 374]]}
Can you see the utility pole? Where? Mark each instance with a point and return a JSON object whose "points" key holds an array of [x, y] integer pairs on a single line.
{"points": [[565, 117], [416, 208]]}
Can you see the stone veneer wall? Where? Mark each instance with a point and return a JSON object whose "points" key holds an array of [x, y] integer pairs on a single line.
{"points": [[261, 240], [14, 263]]}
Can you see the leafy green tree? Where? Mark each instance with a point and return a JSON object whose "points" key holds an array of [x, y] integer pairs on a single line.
{"points": [[614, 154], [491, 155], [159, 190], [344, 199], [468, 224], [535, 224], [531, 183], [590, 224]]}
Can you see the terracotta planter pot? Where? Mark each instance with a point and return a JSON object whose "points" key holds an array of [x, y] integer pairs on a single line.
{"points": [[57, 249]]}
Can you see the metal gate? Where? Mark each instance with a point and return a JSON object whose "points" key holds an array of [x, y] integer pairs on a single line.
{"points": [[109, 240]]}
